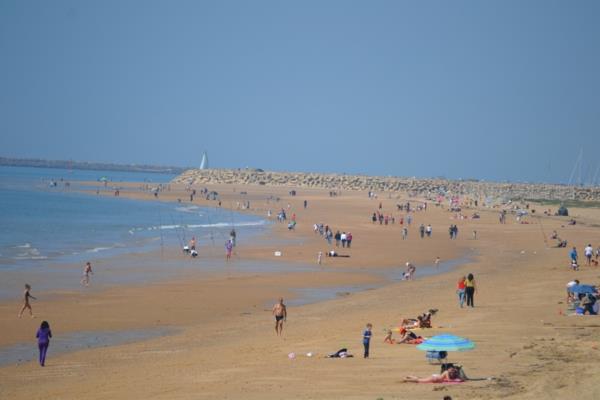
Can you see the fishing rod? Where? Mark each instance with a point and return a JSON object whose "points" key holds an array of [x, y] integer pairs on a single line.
{"points": [[181, 243], [161, 234]]}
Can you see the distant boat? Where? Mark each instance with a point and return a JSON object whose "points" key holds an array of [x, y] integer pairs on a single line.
{"points": [[204, 162]]}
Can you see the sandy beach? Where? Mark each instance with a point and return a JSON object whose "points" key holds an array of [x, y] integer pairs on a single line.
{"points": [[222, 344]]}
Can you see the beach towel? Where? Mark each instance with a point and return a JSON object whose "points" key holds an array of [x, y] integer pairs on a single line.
{"points": [[450, 382]]}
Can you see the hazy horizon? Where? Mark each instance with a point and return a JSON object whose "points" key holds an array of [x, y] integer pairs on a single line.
{"points": [[474, 90]]}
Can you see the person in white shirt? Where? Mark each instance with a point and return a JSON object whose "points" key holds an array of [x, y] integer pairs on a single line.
{"points": [[588, 252], [344, 239]]}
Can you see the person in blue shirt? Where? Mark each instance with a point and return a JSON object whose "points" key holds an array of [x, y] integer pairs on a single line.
{"points": [[573, 255], [367, 339]]}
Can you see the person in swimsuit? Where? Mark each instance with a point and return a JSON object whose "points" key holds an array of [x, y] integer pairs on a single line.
{"points": [[450, 375], [85, 281], [280, 313], [407, 336], [26, 297]]}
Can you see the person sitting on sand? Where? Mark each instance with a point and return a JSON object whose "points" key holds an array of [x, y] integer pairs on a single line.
{"points": [[388, 337], [450, 375], [407, 336]]}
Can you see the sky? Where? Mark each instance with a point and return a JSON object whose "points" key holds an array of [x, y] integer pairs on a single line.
{"points": [[494, 90]]}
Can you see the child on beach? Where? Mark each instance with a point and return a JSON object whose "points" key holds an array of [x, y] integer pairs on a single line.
{"points": [[228, 249], [85, 281], [367, 339], [26, 297], [43, 336]]}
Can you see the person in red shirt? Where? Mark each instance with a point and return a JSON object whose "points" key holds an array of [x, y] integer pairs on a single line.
{"points": [[460, 290]]}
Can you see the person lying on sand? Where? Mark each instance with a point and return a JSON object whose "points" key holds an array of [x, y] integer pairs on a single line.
{"points": [[333, 253], [450, 375]]}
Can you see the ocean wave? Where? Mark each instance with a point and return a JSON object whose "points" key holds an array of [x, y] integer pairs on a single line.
{"points": [[23, 246], [228, 224], [102, 248], [188, 209], [98, 249], [19, 257], [195, 226]]}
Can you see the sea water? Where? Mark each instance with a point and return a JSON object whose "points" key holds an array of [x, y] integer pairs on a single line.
{"points": [[44, 220]]}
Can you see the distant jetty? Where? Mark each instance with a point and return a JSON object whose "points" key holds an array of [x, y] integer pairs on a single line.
{"points": [[418, 187], [39, 163]]}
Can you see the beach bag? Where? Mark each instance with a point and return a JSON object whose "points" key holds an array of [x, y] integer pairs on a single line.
{"points": [[436, 355]]}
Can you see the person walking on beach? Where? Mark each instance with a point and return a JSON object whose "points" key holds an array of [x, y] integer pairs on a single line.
{"points": [[573, 255], [460, 291], [193, 243], [437, 262], [428, 231], [367, 339], [87, 271], [470, 290], [43, 336], [338, 238], [404, 233], [344, 239], [422, 231], [26, 305], [588, 252], [348, 239], [280, 313], [228, 249]]}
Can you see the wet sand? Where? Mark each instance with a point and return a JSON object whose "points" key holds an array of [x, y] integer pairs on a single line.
{"points": [[225, 345]]}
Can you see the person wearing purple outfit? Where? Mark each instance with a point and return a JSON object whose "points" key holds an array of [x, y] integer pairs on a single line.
{"points": [[43, 336]]}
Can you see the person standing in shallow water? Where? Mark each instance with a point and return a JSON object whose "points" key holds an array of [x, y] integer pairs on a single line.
{"points": [[470, 290], [43, 336]]}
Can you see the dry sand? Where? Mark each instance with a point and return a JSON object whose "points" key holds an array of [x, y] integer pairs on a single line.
{"points": [[226, 347]]}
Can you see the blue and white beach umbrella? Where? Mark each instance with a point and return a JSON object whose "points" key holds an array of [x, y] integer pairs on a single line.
{"points": [[446, 342]]}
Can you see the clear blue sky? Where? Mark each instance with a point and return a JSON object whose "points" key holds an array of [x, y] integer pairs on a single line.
{"points": [[498, 90]]}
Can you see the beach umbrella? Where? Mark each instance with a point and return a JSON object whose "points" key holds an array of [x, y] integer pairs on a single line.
{"points": [[583, 289], [446, 342]]}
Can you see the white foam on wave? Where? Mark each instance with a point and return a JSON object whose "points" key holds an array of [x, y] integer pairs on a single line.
{"points": [[227, 224], [23, 246], [195, 226], [98, 249], [188, 209]]}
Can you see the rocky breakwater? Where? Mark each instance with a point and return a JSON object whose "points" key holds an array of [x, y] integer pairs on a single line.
{"points": [[413, 186]]}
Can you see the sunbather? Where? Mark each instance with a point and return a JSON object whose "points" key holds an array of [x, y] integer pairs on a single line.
{"points": [[408, 337], [450, 375]]}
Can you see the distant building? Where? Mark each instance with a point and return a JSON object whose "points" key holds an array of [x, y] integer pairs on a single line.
{"points": [[204, 162]]}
